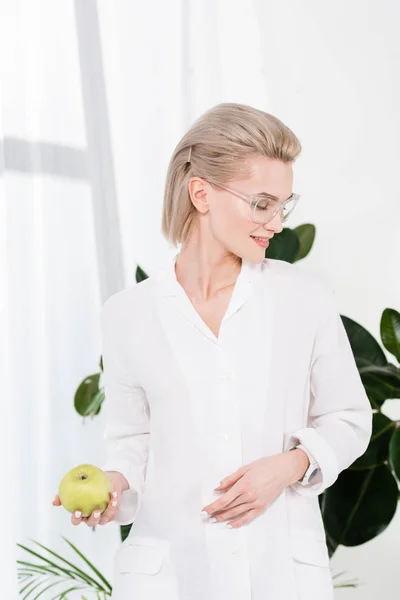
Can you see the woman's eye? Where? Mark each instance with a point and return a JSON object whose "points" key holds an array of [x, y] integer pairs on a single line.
{"points": [[263, 204]]}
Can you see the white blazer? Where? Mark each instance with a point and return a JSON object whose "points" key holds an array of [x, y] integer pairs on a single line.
{"points": [[185, 409]]}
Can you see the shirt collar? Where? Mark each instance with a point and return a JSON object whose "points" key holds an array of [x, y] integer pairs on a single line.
{"points": [[249, 273]]}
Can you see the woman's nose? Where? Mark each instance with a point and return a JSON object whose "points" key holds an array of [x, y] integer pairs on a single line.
{"points": [[275, 224]]}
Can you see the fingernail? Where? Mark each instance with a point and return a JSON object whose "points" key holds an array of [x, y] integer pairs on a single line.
{"points": [[204, 513], [229, 525], [114, 494], [213, 520], [114, 503], [78, 514], [96, 515]]}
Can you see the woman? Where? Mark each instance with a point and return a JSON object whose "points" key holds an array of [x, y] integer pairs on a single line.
{"points": [[232, 395]]}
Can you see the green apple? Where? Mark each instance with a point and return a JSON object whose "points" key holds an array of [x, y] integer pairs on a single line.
{"points": [[85, 488]]}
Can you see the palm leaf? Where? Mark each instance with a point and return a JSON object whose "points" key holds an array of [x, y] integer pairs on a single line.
{"points": [[96, 571], [78, 571], [35, 568], [31, 590], [46, 560], [63, 595], [30, 582], [48, 587], [31, 576]]}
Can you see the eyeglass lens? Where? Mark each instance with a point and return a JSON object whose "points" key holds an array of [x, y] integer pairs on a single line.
{"points": [[266, 208]]}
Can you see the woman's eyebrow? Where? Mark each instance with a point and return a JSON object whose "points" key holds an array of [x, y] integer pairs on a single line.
{"points": [[271, 196], [267, 194]]}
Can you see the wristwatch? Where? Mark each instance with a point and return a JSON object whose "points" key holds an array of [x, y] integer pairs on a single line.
{"points": [[312, 469]]}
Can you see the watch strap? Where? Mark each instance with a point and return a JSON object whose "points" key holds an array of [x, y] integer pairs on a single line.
{"points": [[312, 469]]}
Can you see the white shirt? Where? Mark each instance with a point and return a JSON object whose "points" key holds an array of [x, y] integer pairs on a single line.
{"points": [[185, 409]]}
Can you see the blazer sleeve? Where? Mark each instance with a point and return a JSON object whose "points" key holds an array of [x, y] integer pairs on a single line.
{"points": [[127, 429], [340, 415]]}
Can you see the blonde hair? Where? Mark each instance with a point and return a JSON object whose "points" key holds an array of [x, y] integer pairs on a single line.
{"points": [[216, 148]]}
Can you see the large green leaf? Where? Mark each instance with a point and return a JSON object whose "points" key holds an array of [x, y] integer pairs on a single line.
{"points": [[124, 531], [365, 348], [85, 393], [381, 383], [378, 449], [284, 246], [359, 506], [394, 451], [306, 235], [390, 331], [140, 275]]}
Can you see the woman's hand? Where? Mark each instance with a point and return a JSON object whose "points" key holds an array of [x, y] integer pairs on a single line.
{"points": [[253, 487], [96, 518]]}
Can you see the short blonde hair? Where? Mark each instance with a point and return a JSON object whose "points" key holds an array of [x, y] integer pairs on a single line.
{"points": [[217, 145]]}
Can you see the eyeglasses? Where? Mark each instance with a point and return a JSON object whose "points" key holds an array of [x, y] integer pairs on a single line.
{"points": [[264, 207]]}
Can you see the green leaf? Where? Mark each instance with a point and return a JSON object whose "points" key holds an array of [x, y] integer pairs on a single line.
{"points": [[96, 571], [30, 567], [64, 594], [390, 331], [306, 235], [124, 531], [140, 275], [381, 383], [47, 588], [365, 348], [101, 363], [85, 393], [46, 560], [94, 407], [31, 591], [81, 574], [378, 449], [359, 505], [74, 574], [394, 451], [29, 584], [284, 246]]}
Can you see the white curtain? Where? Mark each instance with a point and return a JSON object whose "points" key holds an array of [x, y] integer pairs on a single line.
{"points": [[94, 97], [61, 259]]}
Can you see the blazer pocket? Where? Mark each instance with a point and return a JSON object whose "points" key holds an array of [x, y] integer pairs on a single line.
{"points": [[137, 556], [309, 549]]}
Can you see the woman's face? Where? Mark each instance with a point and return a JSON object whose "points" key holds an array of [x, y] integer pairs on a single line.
{"points": [[228, 218]]}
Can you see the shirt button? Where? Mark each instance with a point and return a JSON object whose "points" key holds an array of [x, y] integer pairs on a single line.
{"points": [[225, 436]]}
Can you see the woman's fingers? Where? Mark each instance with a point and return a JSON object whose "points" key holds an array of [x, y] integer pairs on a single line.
{"points": [[76, 517], [111, 510], [96, 518], [93, 519]]}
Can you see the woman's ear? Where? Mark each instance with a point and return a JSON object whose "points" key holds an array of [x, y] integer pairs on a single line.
{"points": [[199, 194]]}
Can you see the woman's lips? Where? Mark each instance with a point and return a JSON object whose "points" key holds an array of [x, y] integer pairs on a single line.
{"points": [[263, 242]]}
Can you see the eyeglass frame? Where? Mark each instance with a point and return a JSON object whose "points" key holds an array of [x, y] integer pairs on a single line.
{"points": [[253, 200]]}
